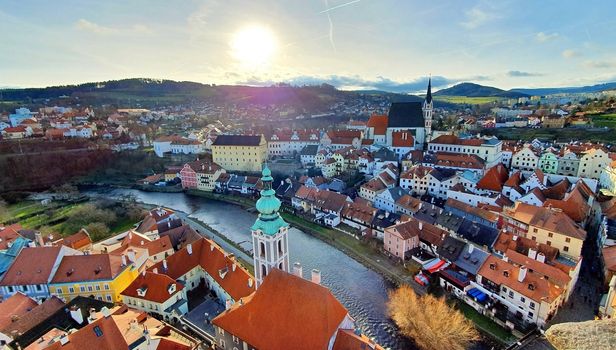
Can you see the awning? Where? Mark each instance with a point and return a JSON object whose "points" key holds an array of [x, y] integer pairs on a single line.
{"points": [[421, 279], [431, 263], [477, 295], [438, 266]]}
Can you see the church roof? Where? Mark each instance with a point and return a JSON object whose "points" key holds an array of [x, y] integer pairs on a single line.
{"points": [[286, 312], [405, 115], [429, 93]]}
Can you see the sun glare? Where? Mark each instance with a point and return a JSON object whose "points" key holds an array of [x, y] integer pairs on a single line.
{"points": [[253, 46]]}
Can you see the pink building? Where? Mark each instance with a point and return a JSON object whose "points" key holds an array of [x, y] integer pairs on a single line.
{"points": [[188, 175], [400, 239]]}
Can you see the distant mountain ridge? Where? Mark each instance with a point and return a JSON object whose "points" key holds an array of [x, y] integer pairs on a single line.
{"points": [[571, 90], [476, 90]]}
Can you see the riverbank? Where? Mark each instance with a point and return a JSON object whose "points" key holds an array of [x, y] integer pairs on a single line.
{"points": [[353, 247], [370, 257]]}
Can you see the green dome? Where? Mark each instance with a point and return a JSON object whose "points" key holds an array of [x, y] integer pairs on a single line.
{"points": [[269, 221], [268, 205]]}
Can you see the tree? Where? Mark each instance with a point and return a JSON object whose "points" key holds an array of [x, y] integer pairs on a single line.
{"points": [[429, 321], [3, 208], [97, 230]]}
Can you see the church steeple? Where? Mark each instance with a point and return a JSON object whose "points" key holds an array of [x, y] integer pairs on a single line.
{"points": [[427, 111], [429, 94], [269, 232]]}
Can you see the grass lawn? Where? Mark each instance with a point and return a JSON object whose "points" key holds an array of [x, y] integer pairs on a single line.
{"points": [[468, 100], [605, 120], [485, 324]]}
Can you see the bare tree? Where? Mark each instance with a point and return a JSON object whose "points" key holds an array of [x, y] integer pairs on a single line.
{"points": [[429, 321]]}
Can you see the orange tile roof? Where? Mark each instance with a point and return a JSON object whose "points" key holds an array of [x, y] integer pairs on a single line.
{"points": [[32, 266], [215, 261], [156, 287], [533, 286], [16, 306], [86, 337], [379, 123], [346, 339], [403, 138], [94, 267], [409, 202], [286, 312], [479, 212], [459, 160], [549, 272], [494, 178], [506, 241], [78, 240], [374, 185], [360, 212]]}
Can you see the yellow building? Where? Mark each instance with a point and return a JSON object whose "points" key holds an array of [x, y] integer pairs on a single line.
{"points": [[99, 276], [548, 226], [207, 176], [240, 152]]}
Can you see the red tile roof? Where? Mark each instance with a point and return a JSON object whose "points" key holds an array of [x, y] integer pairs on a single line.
{"points": [[286, 312], [459, 160], [87, 338], [215, 261], [36, 316], [379, 123], [402, 138], [33, 265], [549, 219], [494, 178], [76, 268], [156, 287], [346, 339], [14, 307], [8, 235]]}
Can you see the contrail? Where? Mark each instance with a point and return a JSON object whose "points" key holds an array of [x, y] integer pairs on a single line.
{"points": [[331, 26], [338, 6]]}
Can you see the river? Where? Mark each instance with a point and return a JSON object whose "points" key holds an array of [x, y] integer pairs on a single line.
{"points": [[362, 291]]}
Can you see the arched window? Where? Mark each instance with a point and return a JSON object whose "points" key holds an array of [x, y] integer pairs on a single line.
{"points": [[280, 266], [263, 271], [280, 246], [262, 249]]}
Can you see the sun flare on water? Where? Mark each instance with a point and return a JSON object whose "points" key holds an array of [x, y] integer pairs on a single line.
{"points": [[253, 46]]}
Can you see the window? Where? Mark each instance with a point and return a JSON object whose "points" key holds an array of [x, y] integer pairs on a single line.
{"points": [[59, 290], [510, 294], [535, 230], [10, 289], [549, 243], [567, 239], [108, 297], [82, 288], [222, 343], [565, 248], [71, 290], [236, 340], [532, 305], [98, 331], [550, 234], [98, 287], [106, 287], [522, 299]]}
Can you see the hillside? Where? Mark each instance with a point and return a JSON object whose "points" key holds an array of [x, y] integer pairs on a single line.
{"points": [[476, 90], [570, 90]]}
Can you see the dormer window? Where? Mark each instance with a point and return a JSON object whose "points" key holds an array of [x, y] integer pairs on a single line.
{"points": [[531, 286], [506, 273], [492, 266]]}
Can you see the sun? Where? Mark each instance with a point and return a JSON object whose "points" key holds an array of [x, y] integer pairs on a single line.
{"points": [[253, 46]]}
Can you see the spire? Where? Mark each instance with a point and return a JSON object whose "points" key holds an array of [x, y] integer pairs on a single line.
{"points": [[269, 220], [429, 93]]}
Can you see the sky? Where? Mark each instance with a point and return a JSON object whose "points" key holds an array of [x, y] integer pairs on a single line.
{"points": [[389, 45]]}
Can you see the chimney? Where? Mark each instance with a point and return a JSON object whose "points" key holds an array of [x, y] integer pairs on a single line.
{"points": [[316, 276], [165, 264], [505, 258], [77, 315], [92, 316], [169, 224], [38, 237], [532, 253], [143, 273], [155, 270], [130, 235], [189, 248], [234, 267], [250, 283], [514, 238], [297, 269], [540, 257], [470, 248], [420, 225], [522, 274], [386, 214], [64, 339], [131, 256], [228, 304], [124, 260]]}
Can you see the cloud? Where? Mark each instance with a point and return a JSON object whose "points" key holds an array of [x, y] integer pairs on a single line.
{"points": [[355, 82], [543, 37], [570, 53], [600, 64], [92, 27], [519, 74], [88, 26], [478, 16]]}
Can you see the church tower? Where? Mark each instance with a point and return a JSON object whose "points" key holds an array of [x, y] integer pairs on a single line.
{"points": [[270, 245], [427, 111]]}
